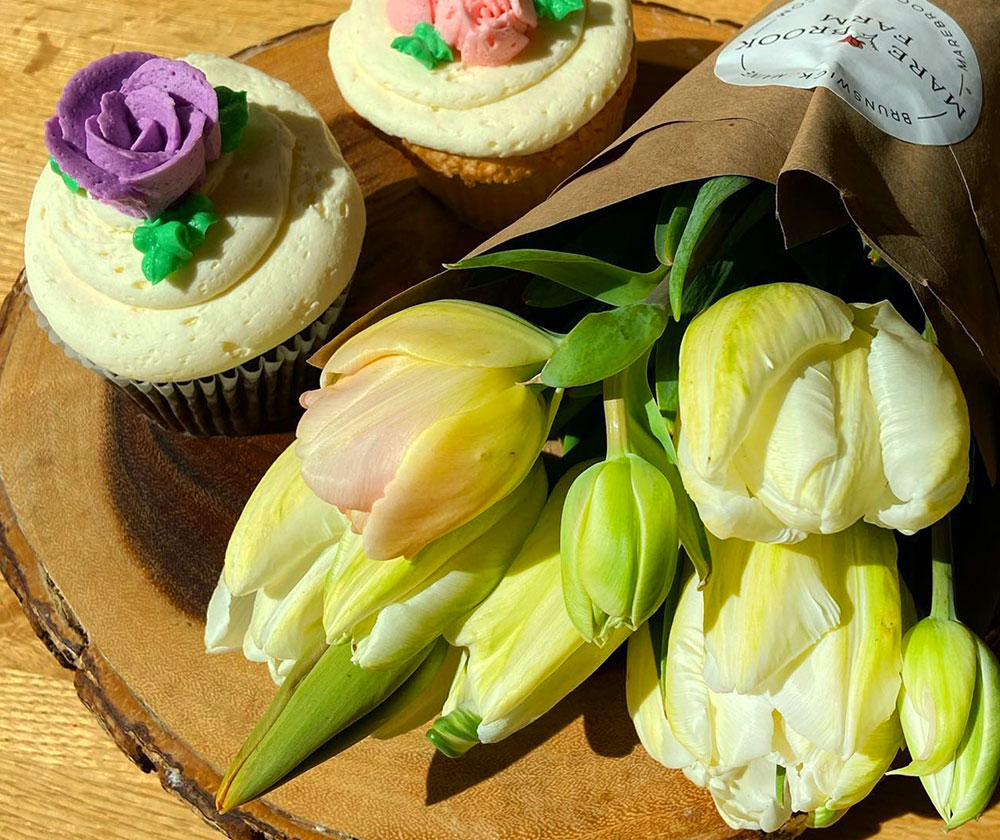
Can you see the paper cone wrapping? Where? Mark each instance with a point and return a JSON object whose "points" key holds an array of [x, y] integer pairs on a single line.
{"points": [[932, 211]]}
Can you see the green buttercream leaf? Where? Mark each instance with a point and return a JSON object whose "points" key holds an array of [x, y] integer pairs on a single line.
{"points": [[69, 182], [557, 9], [233, 116], [168, 242], [425, 45]]}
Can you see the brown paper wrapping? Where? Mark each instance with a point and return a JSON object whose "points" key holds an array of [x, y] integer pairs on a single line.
{"points": [[932, 211]]}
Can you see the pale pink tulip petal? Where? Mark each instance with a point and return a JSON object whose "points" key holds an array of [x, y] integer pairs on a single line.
{"points": [[355, 434], [456, 469]]}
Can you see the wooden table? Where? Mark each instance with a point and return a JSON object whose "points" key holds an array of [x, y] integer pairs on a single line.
{"points": [[60, 775]]}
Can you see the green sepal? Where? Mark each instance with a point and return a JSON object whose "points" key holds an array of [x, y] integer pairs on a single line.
{"points": [[169, 241], [425, 45], [67, 180], [556, 9], [454, 734], [589, 276], [604, 343], [322, 697], [234, 113]]}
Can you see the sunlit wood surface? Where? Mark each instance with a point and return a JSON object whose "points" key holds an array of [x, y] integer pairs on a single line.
{"points": [[60, 775]]}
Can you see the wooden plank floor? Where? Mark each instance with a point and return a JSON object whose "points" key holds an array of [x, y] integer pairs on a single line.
{"points": [[60, 775]]}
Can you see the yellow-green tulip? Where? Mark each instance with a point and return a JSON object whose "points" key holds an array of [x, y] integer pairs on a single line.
{"points": [[808, 723], [801, 414], [424, 420], [522, 653]]}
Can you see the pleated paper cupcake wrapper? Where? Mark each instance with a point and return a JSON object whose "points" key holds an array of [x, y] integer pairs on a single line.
{"points": [[260, 395]]}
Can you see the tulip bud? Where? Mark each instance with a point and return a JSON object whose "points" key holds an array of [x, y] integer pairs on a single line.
{"points": [[888, 428], [619, 545], [962, 789], [939, 677], [424, 421], [522, 652], [390, 609]]}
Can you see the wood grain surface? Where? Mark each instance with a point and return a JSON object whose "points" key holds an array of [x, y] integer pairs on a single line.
{"points": [[60, 774]]}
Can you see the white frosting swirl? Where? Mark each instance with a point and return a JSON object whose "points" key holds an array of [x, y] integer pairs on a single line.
{"points": [[291, 224], [563, 78]]}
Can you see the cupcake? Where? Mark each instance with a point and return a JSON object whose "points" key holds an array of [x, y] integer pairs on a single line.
{"points": [[192, 237], [496, 102]]}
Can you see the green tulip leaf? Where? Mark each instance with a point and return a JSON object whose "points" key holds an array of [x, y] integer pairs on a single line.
{"points": [[675, 210], [234, 114], [322, 697], [604, 343], [544, 294], [704, 213], [592, 277]]}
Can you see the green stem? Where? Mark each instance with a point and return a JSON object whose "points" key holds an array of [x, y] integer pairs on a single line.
{"points": [[619, 392], [943, 590]]}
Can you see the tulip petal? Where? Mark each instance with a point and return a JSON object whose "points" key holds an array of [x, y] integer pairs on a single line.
{"points": [[645, 703], [448, 332], [456, 469], [765, 605], [727, 509], [226, 619], [846, 685], [410, 623], [523, 652], [355, 433], [745, 798], [282, 529], [734, 352], [826, 480], [924, 421]]}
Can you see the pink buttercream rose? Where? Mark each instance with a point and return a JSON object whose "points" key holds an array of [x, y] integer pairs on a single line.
{"points": [[406, 14], [485, 32]]}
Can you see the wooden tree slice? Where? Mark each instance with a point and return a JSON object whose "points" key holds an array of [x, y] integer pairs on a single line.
{"points": [[113, 535]]}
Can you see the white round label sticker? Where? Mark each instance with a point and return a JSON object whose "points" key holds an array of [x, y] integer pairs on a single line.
{"points": [[904, 64]]}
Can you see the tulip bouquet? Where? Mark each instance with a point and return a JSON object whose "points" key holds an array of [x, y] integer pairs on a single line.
{"points": [[706, 458]]}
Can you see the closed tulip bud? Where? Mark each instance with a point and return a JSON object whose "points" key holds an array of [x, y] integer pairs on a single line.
{"points": [[619, 545], [809, 724], [939, 678], [391, 609], [963, 788], [424, 421], [269, 599], [887, 435], [522, 653]]}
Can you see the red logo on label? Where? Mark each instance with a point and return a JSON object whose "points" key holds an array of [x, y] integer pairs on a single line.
{"points": [[854, 42]]}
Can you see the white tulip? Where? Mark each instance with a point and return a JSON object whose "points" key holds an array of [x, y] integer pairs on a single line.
{"points": [[780, 680], [801, 414]]}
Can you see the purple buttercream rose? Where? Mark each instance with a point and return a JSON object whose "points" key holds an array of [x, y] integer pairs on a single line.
{"points": [[136, 131]]}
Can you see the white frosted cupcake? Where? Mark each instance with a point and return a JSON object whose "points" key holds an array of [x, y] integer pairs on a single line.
{"points": [[190, 243], [495, 101]]}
